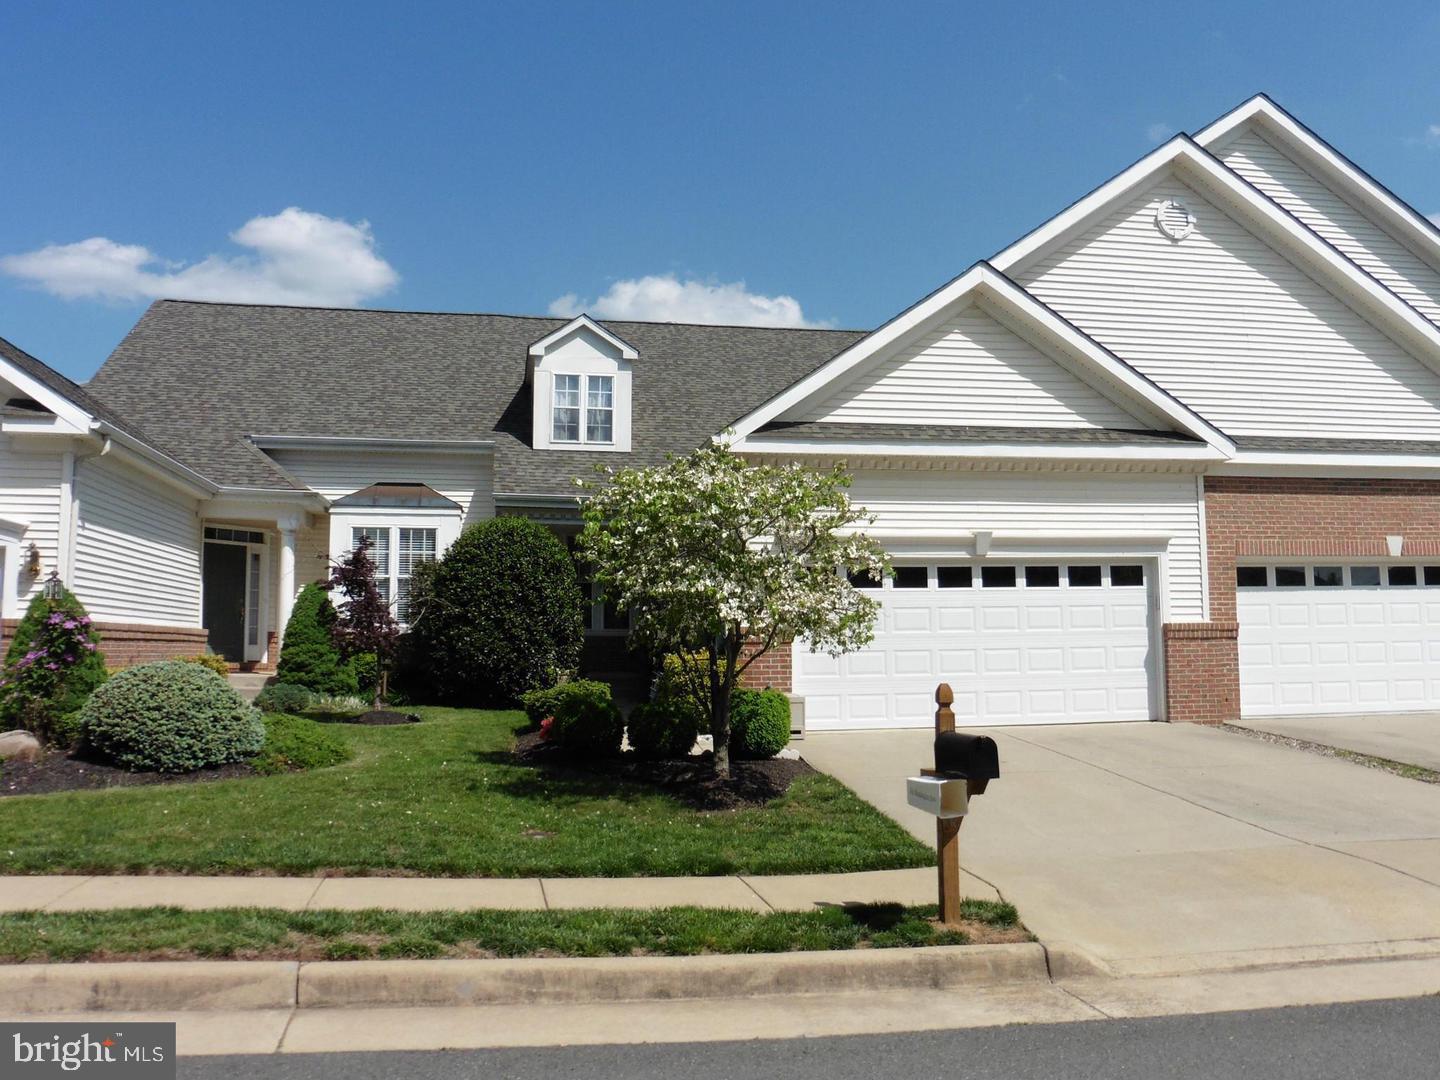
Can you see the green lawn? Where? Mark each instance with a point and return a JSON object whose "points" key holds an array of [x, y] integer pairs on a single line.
{"points": [[443, 798], [247, 933]]}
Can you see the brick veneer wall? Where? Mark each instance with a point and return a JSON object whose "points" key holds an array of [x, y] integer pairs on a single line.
{"points": [[128, 644], [773, 670], [1276, 518]]}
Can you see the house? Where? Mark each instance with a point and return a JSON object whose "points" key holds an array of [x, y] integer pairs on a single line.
{"points": [[1175, 454]]}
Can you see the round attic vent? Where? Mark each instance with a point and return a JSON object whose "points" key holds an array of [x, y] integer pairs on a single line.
{"points": [[1174, 219]]}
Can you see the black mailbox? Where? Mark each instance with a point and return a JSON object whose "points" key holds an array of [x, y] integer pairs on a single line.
{"points": [[967, 757]]}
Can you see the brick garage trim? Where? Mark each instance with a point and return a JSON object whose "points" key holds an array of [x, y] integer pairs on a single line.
{"points": [[1267, 518], [774, 670], [128, 644]]}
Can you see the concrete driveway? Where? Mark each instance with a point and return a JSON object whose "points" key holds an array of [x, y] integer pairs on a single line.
{"points": [[1159, 848], [1413, 738]]}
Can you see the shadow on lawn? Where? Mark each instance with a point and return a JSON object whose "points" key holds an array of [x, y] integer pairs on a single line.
{"points": [[555, 785]]}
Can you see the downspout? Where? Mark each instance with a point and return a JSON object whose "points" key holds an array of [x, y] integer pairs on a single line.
{"points": [[69, 517]]}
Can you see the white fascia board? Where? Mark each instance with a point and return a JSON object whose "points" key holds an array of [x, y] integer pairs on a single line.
{"points": [[152, 461], [626, 350], [1407, 224], [46, 423], [512, 498], [261, 504], [1280, 463], [378, 445], [989, 451], [1277, 226], [985, 284]]}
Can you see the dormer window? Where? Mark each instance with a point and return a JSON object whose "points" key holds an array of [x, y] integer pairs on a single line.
{"points": [[580, 379], [598, 394]]}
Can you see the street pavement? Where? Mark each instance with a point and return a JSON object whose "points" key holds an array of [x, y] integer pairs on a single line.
{"points": [[1397, 1040], [1161, 848]]}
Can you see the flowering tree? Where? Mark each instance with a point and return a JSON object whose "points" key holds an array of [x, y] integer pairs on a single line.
{"points": [[53, 664], [364, 622], [723, 560]]}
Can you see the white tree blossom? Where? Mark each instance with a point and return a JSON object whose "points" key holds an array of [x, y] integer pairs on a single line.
{"points": [[714, 556]]}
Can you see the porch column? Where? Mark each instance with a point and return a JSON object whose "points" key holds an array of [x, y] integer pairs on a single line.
{"points": [[286, 599]]}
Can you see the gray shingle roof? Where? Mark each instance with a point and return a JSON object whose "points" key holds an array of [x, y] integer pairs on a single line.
{"points": [[846, 432], [1337, 446], [202, 377]]}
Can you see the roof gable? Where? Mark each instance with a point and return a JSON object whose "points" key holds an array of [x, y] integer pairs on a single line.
{"points": [[1232, 326], [969, 369], [1334, 197], [1099, 372]]}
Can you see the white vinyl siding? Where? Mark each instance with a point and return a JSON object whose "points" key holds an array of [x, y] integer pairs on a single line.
{"points": [[1233, 328], [971, 371], [1337, 220], [1057, 508], [30, 492], [468, 479], [137, 547]]}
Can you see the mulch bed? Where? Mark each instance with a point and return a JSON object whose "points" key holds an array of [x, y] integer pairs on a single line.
{"points": [[374, 718], [61, 772], [690, 780]]}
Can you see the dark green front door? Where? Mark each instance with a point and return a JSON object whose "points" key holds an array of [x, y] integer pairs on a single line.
{"points": [[225, 599]]}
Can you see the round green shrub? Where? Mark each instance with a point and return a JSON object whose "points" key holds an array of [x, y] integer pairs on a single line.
{"points": [[502, 614], [759, 723], [171, 717], [309, 656], [586, 719], [538, 704], [293, 743], [284, 698], [211, 662], [663, 729]]}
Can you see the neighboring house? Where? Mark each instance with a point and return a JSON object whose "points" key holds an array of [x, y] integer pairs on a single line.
{"points": [[1173, 455]]}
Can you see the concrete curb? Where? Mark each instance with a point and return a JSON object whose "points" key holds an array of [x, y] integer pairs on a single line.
{"points": [[147, 987], [243, 985]]}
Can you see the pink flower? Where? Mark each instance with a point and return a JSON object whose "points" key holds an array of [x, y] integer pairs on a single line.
{"points": [[547, 728]]}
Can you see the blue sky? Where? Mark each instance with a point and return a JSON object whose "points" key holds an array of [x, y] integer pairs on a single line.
{"points": [[839, 160]]}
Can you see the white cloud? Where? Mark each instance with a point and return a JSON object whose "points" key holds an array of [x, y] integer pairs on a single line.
{"points": [[1159, 132], [665, 298], [297, 257]]}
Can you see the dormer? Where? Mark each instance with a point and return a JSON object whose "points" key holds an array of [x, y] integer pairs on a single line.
{"points": [[579, 377]]}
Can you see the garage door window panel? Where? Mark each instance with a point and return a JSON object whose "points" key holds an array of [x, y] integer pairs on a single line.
{"points": [[1085, 577], [1252, 577]]}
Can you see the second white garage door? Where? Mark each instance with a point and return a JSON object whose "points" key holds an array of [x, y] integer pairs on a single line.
{"points": [[1338, 638], [1022, 643]]}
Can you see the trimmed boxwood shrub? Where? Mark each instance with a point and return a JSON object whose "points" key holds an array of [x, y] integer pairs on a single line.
{"points": [[309, 656], [293, 743], [586, 719], [171, 717], [284, 698], [33, 698], [503, 614], [211, 662], [759, 723], [538, 704], [666, 728]]}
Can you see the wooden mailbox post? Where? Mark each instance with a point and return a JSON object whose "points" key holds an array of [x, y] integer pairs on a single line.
{"points": [[947, 830]]}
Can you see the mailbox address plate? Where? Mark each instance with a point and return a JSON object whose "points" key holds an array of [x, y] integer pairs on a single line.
{"points": [[942, 798]]}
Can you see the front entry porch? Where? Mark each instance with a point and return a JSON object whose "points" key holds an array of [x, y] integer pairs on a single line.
{"points": [[234, 606]]}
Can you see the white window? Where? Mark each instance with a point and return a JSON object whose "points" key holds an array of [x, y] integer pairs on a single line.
{"points": [[566, 414], [392, 575], [599, 409]]}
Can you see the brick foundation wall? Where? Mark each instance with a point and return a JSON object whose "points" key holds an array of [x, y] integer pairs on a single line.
{"points": [[1202, 672], [128, 644], [1269, 519], [773, 670]]}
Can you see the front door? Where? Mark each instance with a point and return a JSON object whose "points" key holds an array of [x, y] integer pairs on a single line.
{"points": [[225, 599]]}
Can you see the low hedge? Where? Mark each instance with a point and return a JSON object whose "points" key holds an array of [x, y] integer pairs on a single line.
{"points": [[285, 698], [293, 743], [662, 729], [585, 719]]}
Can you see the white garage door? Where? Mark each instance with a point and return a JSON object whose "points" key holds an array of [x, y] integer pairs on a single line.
{"points": [[1027, 643], [1332, 638]]}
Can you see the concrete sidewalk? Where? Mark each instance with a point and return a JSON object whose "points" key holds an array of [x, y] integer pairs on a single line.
{"points": [[1412, 738], [1167, 848], [792, 892]]}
